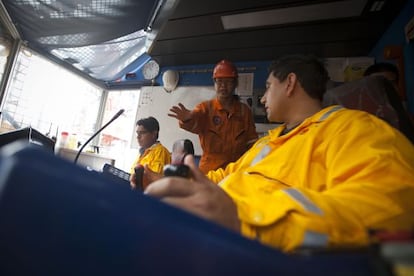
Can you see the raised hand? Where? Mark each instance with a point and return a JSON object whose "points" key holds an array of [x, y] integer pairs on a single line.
{"points": [[180, 112]]}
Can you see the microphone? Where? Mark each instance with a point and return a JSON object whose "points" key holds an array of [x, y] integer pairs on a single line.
{"points": [[96, 133]]}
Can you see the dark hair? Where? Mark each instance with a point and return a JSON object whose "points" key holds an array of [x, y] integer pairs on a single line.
{"points": [[311, 73], [382, 67], [151, 124], [187, 144]]}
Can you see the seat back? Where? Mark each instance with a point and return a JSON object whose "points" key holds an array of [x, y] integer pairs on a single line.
{"points": [[367, 94], [376, 95]]}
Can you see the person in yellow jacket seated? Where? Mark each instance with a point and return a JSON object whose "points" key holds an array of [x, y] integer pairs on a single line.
{"points": [[325, 178], [153, 154]]}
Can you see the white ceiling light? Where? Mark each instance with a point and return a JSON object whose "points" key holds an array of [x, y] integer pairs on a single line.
{"points": [[340, 9]]}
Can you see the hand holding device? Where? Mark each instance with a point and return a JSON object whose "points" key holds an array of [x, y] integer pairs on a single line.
{"points": [[176, 170]]}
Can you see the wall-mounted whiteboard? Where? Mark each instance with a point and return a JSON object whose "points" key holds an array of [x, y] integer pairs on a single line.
{"points": [[154, 101]]}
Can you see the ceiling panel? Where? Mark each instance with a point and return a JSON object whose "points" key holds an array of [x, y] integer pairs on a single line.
{"points": [[194, 33], [105, 39]]}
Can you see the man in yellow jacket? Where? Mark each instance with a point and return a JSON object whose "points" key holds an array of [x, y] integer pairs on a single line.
{"points": [[328, 177], [153, 154]]}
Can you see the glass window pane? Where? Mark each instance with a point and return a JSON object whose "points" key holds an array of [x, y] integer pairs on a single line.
{"points": [[49, 98], [115, 140], [5, 48]]}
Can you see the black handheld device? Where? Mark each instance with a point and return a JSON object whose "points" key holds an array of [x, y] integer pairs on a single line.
{"points": [[176, 170], [139, 175]]}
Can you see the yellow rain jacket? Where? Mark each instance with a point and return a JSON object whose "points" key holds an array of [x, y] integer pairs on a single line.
{"points": [[156, 156], [326, 183]]}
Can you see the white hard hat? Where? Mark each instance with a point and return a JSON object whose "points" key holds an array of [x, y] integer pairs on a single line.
{"points": [[170, 79]]}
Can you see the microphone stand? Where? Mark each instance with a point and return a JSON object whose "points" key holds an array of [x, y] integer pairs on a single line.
{"points": [[96, 133]]}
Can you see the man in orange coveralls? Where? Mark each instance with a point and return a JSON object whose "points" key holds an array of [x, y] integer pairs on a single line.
{"points": [[327, 177], [224, 125]]}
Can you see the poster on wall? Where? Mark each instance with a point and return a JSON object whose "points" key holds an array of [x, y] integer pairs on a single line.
{"points": [[245, 85], [347, 69]]}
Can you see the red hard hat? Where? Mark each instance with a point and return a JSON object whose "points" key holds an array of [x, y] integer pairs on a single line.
{"points": [[225, 69]]}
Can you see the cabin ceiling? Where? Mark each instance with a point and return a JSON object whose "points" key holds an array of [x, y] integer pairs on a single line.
{"points": [[95, 38], [103, 40], [195, 33]]}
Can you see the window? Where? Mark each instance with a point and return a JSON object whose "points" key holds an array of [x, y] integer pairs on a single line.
{"points": [[52, 100], [49, 98], [4, 53], [115, 140]]}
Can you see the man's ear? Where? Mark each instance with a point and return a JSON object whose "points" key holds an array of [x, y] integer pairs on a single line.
{"points": [[291, 82]]}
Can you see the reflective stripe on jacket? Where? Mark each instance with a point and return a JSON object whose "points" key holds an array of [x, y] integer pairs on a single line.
{"points": [[326, 183], [224, 134]]}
